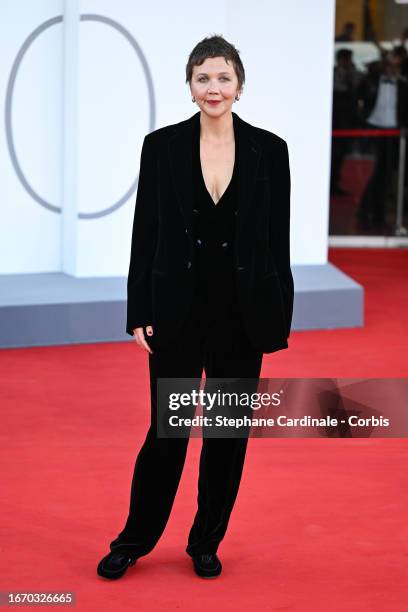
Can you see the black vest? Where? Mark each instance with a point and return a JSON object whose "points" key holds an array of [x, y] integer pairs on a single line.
{"points": [[214, 236]]}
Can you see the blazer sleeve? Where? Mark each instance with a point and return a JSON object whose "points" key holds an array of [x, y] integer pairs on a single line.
{"points": [[280, 232], [144, 240]]}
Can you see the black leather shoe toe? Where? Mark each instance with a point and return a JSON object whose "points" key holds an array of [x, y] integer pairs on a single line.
{"points": [[207, 565], [114, 565]]}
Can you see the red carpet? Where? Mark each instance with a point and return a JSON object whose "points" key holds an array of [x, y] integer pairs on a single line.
{"points": [[319, 524]]}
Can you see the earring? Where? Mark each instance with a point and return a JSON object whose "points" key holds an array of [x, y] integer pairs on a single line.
{"points": [[237, 98], [193, 99]]}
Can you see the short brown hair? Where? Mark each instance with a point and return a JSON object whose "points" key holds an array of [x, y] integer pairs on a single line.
{"points": [[215, 46]]}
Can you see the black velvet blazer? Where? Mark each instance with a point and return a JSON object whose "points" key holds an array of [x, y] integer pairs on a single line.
{"points": [[162, 264]]}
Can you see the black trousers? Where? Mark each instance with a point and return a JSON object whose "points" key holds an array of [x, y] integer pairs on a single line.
{"points": [[374, 198], [220, 345]]}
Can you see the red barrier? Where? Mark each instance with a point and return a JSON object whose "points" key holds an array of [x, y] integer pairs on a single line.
{"points": [[368, 132]]}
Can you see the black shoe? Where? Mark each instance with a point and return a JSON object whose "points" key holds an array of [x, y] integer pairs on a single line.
{"points": [[207, 565], [114, 565], [364, 220]]}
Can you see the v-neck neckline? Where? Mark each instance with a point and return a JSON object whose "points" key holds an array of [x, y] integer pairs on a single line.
{"points": [[198, 152]]}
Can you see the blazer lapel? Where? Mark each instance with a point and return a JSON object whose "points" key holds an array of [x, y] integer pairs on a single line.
{"points": [[180, 146], [249, 154]]}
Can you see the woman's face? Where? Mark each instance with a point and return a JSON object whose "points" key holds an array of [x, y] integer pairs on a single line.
{"points": [[214, 80]]}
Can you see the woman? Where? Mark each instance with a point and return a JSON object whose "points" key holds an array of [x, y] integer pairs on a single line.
{"points": [[209, 285]]}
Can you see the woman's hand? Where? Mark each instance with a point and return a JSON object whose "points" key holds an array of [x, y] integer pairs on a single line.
{"points": [[140, 339]]}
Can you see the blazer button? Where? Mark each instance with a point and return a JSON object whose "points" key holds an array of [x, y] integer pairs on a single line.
{"points": [[189, 265], [199, 242], [235, 212], [195, 210], [224, 245], [240, 268], [186, 231]]}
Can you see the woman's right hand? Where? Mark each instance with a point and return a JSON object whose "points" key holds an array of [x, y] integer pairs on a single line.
{"points": [[140, 339]]}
